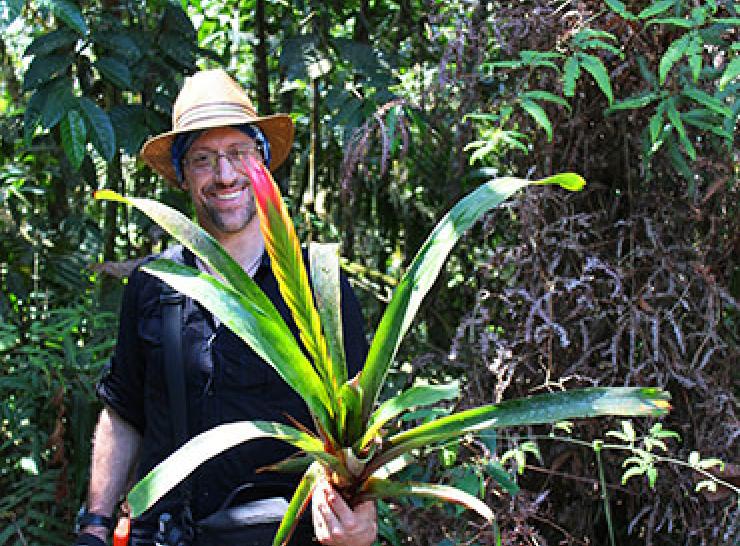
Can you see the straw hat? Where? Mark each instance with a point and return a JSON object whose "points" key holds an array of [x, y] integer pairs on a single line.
{"points": [[208, 99]]}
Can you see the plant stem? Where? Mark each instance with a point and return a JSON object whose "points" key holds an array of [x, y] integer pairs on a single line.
{"points": [[597, 446]]}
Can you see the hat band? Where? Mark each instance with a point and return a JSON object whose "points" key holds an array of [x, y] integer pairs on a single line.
{"points": [[214, 110]]}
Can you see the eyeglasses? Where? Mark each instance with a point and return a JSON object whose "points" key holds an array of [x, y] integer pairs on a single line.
{"points": [[206, 161]]}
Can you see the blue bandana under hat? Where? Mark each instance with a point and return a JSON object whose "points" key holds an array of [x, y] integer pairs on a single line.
{"points": [[182, 143]]}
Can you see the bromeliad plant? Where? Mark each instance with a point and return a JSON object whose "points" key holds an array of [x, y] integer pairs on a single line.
{"points": [[350, 445]]}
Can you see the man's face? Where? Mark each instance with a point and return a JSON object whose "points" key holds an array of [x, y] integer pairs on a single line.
{"points": [[220, 190]]}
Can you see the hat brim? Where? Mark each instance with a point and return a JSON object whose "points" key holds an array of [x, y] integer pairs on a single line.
{"points": [[278, 129]]}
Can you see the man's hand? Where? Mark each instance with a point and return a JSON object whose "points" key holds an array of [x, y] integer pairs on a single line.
{"points": [[336, 524]]}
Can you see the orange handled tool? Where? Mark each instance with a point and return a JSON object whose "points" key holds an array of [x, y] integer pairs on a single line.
{"points": [[123, 529]]}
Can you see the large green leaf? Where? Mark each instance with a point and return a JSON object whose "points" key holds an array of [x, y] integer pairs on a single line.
{"points": [[283, 246], [571, 73], [271, 339], [74, 138], [675, 117], [202, 244], [596, 68], [708, 100], [114, 71], [543, 408], [672, 54], [48, 42], [423, 272], [68, 12], [539, 115], [420, 395], [298, 504], [324, 260], [180, 464], [655, 8], [100, 128], [44, 68], [731, 72], [380, 488]]}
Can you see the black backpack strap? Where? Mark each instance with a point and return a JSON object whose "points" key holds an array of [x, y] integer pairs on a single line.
{"points": [[172, 304]]}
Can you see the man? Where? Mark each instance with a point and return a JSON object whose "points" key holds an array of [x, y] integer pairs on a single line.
{"points": [[215, 127]]}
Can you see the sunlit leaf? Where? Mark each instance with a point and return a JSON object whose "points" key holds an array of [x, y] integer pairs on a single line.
{"points": [[380, 488], [324, 259], [731, 72], [284, 248], [298, 504], [420, 395], [205, 446], [424, 270], [544, 408]]}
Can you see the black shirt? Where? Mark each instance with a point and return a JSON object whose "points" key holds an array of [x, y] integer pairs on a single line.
{"points": [[226, 382]]}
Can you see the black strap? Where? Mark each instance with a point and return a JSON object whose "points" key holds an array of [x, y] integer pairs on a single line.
{"points": [[173, 362]]}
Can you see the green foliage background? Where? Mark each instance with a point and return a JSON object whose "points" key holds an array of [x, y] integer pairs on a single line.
{"points": [[401, 108]]}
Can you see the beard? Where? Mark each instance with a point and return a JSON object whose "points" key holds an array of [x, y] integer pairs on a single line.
{"points": [[230, 220]]}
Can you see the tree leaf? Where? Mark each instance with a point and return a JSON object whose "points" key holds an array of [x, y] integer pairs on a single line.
{"points": [[571, 73], [180, 464], [298, 504], [114, 71], [632, 103], [713, 103], [675, 21], [538, 94], [47, 43], [43, 68], [656, 123], [380, 488], [494, 469], [285, 253], [672, 54], [540, 409], [619, 8], [420, 395], [656, 8], [731, 72], [539, 115], [422, 273], [596, 68], [100, 128], [74, 137], [59, 100], [675, 118], [68, 12]]}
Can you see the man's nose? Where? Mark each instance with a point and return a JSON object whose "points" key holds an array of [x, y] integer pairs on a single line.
{"points": [[224, 169]]}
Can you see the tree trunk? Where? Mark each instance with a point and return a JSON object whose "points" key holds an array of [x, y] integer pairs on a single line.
{"points": [[260, 63]]}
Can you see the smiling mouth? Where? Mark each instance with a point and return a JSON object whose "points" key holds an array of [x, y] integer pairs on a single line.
{"points": [[230, 195]]}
